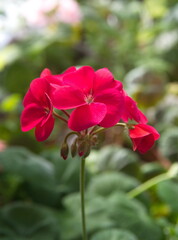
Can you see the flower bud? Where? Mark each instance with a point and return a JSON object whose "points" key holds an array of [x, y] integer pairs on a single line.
{"points": [[64, 150], [84, 148], [94, 140], [74, 148]]}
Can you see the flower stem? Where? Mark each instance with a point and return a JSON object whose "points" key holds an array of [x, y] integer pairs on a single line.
{"points": [[103, 129], [148, 184], [66, 113], [82, 195], [58, 116]]}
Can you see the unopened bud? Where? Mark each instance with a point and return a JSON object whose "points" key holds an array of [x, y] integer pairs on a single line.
{"points": [[84, 149], [94, 140], [74, 148], [64, 150]]}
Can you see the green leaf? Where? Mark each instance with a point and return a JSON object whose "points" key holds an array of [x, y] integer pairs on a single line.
{"points": [[115, 211], [66, 172], [30, 167], [71, 217], [114, 234], [152, 169], [168, 193], [105, 184], [169, 143], [132, 215], [115, 158], [27, 221]]}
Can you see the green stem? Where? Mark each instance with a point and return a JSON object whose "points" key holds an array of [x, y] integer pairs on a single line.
{"points": [[103, 129], [82, 195], [58, 116], [66, 113], [71, 133], [148, 184]]}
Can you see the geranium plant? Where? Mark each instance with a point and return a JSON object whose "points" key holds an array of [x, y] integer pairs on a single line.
{"points": [[91, 101]]}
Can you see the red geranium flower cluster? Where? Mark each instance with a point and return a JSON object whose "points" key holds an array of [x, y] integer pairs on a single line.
{"points": [[95, 98]]}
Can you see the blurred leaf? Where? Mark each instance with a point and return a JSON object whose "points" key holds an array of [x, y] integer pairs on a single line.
{"points": [[9, 185], [152, 169], [30, 167], [17, 76], [169, 143], [66, 180], [173, 89], [114, 234], [66, 172], [10, 103], [108, 183], [26, 221], [114, 211], [166, 41], [168, 193], [131, 215], [8, 55], [71, 217], [146, 86], [156, 9], [112, 158]]}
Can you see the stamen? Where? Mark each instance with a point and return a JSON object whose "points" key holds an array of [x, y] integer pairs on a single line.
{"points": [[89, 99]]}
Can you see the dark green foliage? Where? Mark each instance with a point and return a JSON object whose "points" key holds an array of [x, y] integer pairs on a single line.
{"points": [[108, 183], [115, 211], [45, 182], [115, 158], [169, 144], [168, 193], [28, 166], [114, 234], [27, 221]]}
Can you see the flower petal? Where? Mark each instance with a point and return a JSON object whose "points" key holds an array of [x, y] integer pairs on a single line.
{"points": [[38, 88], [87, 116], [53, 79], [103, 79], [81, 79], [66, 97], [70, 69], [114, 100], [138, 132], [143, 119], [150, 129], [143, 137], [48, 110], [118, 85], [132, 112], [31, 116], [143, 144], [29, 98], [42, 132], [45, 72]]}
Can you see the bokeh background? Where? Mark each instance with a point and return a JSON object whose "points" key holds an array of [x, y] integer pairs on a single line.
{"points": [[138, 42]]}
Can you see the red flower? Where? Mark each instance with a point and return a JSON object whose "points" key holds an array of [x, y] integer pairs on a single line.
{"points": [[132, 112], [94, 95], [143, 137], [38, 107], [38, 110]]}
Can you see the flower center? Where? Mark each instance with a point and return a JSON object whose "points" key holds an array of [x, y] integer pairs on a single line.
{"points": [[89, 99]]}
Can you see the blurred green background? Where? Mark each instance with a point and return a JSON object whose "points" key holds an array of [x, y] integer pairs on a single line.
{"points": [[138, 42]]}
